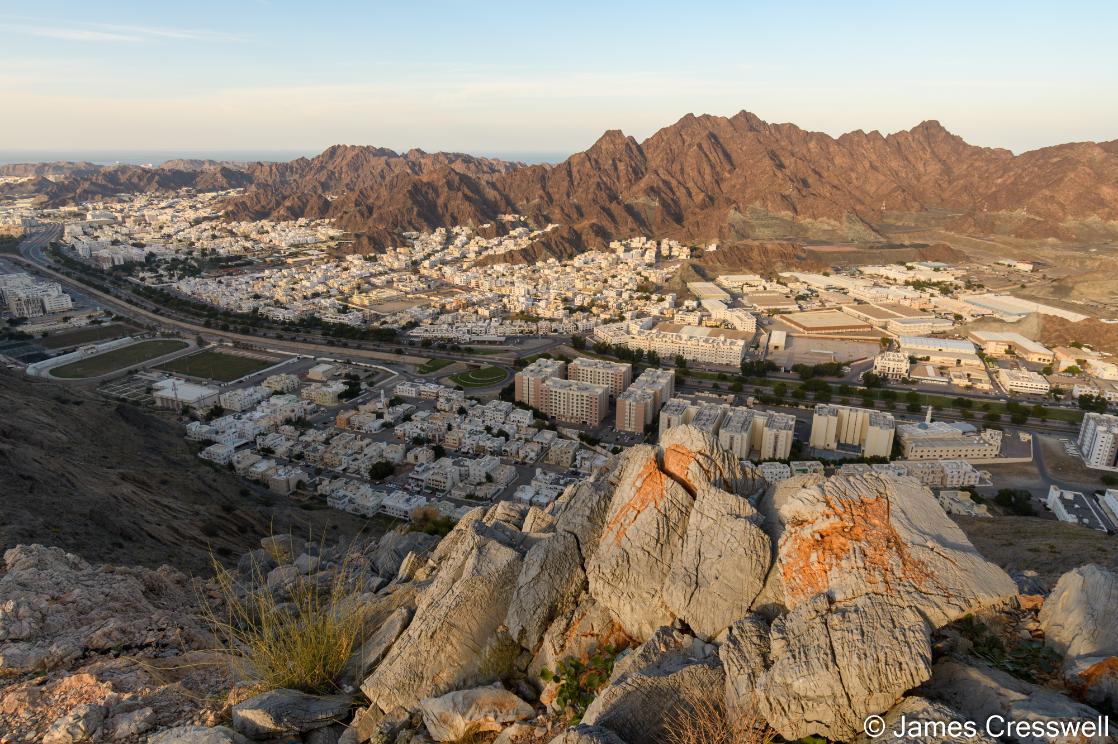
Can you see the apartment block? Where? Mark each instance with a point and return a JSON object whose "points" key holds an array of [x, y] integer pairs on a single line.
{"points": [[747, 432], [529, 382], [1098, 441], [638, 405], [575, 402], [839, 427], [614, 375]]}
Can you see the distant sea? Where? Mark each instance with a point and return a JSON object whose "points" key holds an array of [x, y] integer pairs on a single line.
{"points": [[155, 157]]}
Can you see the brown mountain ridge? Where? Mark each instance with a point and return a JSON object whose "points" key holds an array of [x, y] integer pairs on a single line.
{"points": [[702, 179]]}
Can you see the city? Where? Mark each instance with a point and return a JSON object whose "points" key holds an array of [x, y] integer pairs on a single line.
{"points": [[445, 373]]}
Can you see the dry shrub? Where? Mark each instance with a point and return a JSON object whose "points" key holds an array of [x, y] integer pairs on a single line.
{"points": [[703, 719], [303, 644]]}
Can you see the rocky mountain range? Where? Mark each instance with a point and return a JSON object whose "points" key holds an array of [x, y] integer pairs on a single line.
{"points": [[702, 179], [670, 597]]}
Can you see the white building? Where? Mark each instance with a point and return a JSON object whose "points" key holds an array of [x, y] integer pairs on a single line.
{"points": [[892, 365], [1098, 441]]}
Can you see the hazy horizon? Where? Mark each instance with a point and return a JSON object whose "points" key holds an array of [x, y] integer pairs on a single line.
{"points": [[501, 78]]}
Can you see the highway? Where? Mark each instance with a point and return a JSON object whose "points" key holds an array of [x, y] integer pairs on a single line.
{"points": [[32, 254]]}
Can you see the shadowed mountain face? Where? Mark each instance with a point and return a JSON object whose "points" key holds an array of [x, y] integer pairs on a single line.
{"points": [[704, 178], [118, 484]]}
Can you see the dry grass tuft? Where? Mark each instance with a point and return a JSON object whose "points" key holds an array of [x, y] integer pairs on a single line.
{"points": [[699, 719], [302, 644]]}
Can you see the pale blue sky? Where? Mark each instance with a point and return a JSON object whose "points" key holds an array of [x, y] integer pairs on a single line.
{"points": [[509, 77]]}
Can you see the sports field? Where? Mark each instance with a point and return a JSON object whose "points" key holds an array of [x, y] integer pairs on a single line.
{"points": [[87, 335], [214, 364], [480, 377], [111, 361]]}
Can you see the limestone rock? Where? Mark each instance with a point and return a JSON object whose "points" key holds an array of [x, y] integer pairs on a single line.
{"points": [[642, 540], [921, 710], [394, 546], [370, 652], [287, 711], [1078, 621], [745, 657], [579, 634], [588, 735], [283, 547], [130, 724], [456, 619], [694, 458], [1078, 616], [197, 735], [54, 607], [847, 536], [648, 684], [452, 716], [80, 724], [549, 583], [722, 565], [980, 691], [833, 665]]}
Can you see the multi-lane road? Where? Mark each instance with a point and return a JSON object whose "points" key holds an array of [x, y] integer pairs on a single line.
{"points": [[32, 254]]}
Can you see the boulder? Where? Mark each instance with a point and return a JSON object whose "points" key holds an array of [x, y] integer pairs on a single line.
{"points": [[446, 645], [197, 735], [979, 691], [722, 565], [642, 540], [847, 536], [834, 664], [80, 724], [1078, 621], [395, 545], [452, 716], [283, 711], [694, 459], [745, 657], [133, 723], [282, 578], [648, 684], [282, 548]]}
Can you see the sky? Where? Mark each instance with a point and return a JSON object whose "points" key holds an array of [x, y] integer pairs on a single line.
{"points": [[506, 78]]}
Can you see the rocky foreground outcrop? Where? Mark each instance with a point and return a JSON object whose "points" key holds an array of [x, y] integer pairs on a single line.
{"points": [[671, 581]]}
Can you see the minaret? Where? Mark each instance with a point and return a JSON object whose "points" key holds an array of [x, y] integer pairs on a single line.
{"points": [[928, 417]]}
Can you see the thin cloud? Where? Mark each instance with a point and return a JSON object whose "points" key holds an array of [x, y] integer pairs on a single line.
{"points": [[114, 33]]}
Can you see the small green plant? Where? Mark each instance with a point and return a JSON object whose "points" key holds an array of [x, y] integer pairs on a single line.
{"points": [[580, 681], [1029, 660]]}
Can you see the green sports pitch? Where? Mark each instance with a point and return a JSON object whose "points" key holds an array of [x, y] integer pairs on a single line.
{"points": [[117, 359], [214, 364]]}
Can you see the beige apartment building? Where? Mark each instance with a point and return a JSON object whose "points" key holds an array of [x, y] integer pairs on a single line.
{"points": [[614, 375], [528, 382], [833, 427], [892, 365], [638, 405], [575, 402]]}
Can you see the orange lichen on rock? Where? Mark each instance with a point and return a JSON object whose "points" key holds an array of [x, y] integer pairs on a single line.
{"points": [[677, 462], [860, 525], [1095, 673], [651, 488]]}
